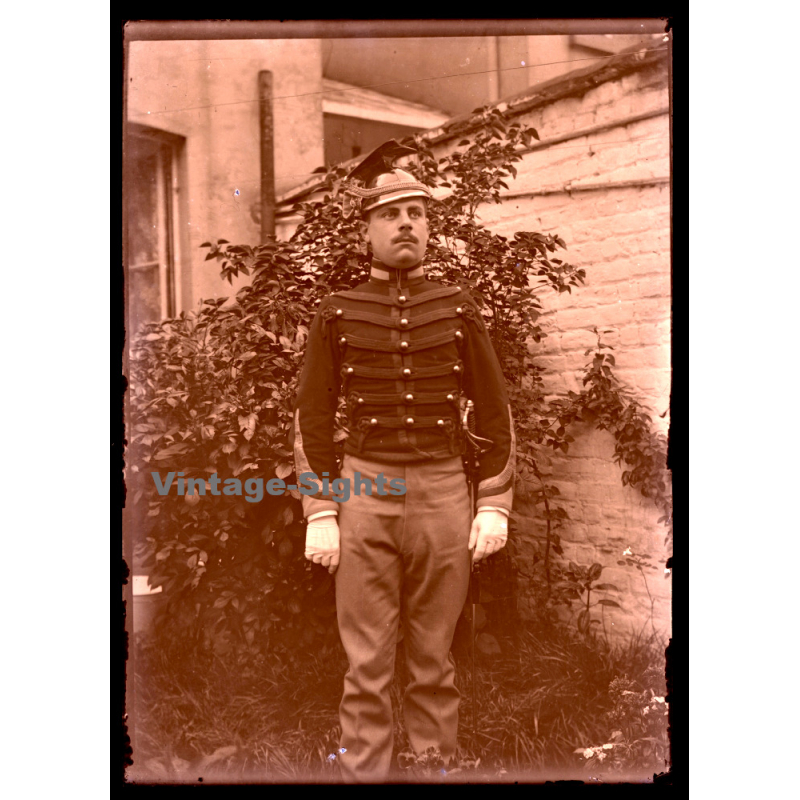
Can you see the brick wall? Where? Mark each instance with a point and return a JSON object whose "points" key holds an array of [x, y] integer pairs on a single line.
{"points": [[607, 194]]}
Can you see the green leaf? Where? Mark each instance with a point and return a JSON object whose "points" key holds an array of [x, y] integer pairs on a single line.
{"points": [[284, 470], [172, 451], [605, 602]]}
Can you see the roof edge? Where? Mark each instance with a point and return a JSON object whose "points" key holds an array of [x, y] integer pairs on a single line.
{"points": [[577, 82], [573, 83]]}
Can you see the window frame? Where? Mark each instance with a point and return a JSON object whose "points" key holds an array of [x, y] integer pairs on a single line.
{"points": [[168, 149]]}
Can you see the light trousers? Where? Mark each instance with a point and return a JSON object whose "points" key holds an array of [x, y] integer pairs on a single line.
{"points": [[401, 557]]}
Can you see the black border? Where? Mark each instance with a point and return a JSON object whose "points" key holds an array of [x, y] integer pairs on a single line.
{"points": [[123, 30]]}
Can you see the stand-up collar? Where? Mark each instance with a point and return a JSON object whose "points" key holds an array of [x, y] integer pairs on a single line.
{"points": [[380, 273]]}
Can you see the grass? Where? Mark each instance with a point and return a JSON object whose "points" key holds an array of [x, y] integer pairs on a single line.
{"points": [[276, 720]]}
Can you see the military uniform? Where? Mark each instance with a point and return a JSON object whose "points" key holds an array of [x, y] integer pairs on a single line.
{"points": [[403, 351]]}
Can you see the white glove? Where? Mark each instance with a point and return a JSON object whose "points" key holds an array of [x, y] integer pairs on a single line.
{"points": [[322, 542], [488, 534]]}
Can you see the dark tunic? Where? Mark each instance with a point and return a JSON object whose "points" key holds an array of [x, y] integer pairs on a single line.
{"points": [[403, 354]]}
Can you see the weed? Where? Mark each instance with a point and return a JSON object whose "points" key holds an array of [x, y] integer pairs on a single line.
{"points": [[544, 694]]}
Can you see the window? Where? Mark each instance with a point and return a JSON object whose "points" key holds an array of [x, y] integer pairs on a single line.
{"points": [[356, 120], [150, 197]]}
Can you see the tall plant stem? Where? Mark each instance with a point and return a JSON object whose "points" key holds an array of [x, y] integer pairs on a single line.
{"points": [[652, 602], [548, 521]]}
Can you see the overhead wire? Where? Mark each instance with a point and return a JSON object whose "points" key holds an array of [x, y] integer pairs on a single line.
{"points": [[392, 83]]}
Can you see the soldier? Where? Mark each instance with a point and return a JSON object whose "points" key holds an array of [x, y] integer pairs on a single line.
{"points": [[403, 351]]}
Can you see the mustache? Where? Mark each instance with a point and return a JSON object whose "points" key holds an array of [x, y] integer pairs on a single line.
{"points": [[406, 237]]}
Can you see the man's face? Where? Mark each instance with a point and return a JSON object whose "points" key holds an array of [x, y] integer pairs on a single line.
{"points": [[398, 232]]}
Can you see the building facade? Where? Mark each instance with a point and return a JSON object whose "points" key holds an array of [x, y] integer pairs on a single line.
{"points": [[192, 156]]}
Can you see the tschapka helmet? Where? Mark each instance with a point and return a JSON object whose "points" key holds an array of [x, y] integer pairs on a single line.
{"points": [[376, 181]]}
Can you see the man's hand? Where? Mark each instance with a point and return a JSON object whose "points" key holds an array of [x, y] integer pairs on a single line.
{"points": [[489, 534], [322, 542]]}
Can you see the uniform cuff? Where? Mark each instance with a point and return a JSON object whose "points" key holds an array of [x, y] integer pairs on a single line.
{"points": [[314, 505], [488, 504], [494, 508], [319, 514]]}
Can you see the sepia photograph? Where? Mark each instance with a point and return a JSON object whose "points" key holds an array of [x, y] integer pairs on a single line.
{"points": [[398, 325]]}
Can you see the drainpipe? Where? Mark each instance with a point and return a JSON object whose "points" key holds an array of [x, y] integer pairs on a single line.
{"points": [[493, 71], [266, 130]]}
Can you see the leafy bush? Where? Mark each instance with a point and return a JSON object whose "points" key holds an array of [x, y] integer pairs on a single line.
{"points": [[638, 743], [212, 393]]}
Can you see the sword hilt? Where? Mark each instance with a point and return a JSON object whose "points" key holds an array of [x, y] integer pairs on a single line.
{"points": [[474, 583]]}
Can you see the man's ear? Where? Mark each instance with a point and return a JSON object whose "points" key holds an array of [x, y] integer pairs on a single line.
{"points": [[363, 227]]}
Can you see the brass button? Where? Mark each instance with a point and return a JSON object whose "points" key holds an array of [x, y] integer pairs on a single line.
{"points": [[403, 323], [406, 372], [404, 345], [456, 368], [339, 312], [409, 420], [451, 397], [373, 421], [401, 299], [459, 335], [349, 370], [409, 397], [440, 423], [459, 310], [343, 340], [361, 401]]}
